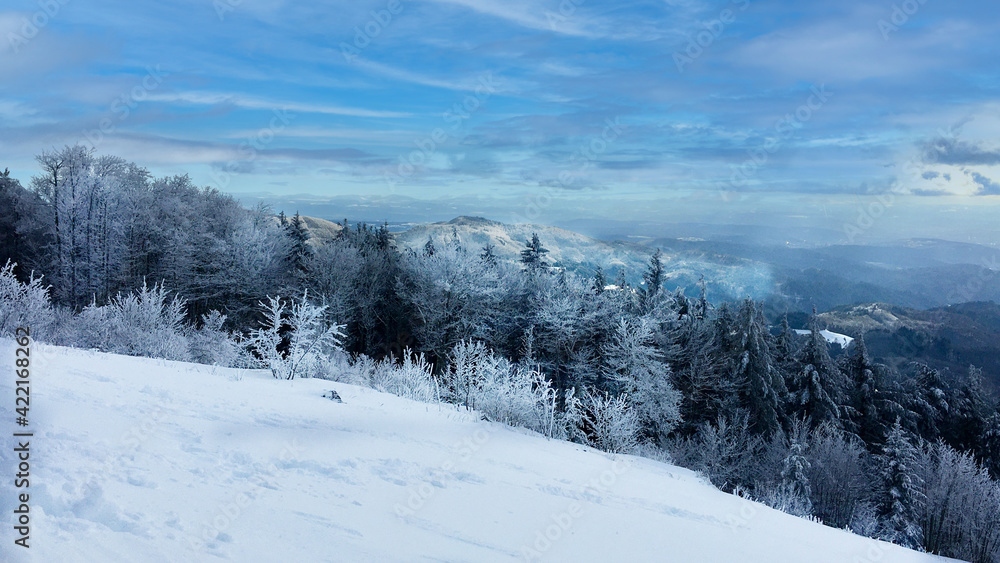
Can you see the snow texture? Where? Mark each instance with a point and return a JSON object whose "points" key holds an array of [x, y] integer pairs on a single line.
{"points": [[151, 460]]}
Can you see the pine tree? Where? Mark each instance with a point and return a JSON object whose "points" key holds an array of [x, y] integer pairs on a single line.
{"points": [[929, 401], [816, 388], [599, 281], [900, 496], [702, 310], [652, 279], [705, 387], [762, 389], [488, 255], [795, 471], [300, 251], [871, 404], [533, 256], [429, 247], [620, 281]]}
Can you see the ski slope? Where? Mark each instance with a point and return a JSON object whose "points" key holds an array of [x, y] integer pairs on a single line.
{"points": [[146, 460]]}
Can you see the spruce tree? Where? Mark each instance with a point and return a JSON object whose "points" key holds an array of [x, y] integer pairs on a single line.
{"points": [[533, 256], [653, 279], [817, 385], [599, 281], [762, 389], [488, 256], [795, 471], [900, 494], [298, 254]]}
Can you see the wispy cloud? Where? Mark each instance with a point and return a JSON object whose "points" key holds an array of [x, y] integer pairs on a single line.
{"points": [[248, 102]]}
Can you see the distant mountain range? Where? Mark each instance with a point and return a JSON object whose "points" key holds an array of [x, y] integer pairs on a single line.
{"points": [[918, 274]]}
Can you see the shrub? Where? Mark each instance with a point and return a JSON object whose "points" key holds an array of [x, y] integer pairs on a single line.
{"points": [[611, 424], [311, 340], [147, 322], [23, 304]]}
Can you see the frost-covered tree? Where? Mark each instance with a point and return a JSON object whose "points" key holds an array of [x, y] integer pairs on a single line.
{"points": [[23, 304], [653, 280], [295, 340], [900, 497], [760, 385], [635, 363], [600, 282], [817, 385], [610, 423], [839, 475], [960, 515], [796, 487], [872, 405], [533, 256]]}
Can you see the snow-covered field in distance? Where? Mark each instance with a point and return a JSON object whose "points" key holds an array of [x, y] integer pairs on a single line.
{"points": [[149, 460]]}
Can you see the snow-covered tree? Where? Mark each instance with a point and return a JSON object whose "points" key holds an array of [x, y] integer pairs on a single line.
{"points": [[761, 386], [610, 423], [23, 304], [533, 256], [638, 366], [817, 385], [901, 496], [310, 338]]}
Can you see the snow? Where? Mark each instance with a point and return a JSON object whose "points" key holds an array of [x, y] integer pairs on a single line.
{"points": [[150, 460], [831, 337]]}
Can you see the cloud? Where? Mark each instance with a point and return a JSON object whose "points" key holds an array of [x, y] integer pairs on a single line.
{"points": [[986, 185], [249, 102], [949, 150]]}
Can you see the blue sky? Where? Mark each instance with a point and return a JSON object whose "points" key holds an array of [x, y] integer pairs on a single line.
{"points": [[611, 105]]}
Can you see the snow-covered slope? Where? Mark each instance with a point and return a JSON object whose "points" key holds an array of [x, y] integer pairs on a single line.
{"points": [[147, 460]]}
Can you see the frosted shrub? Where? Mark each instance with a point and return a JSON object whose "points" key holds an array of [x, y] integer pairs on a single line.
{"points": [[23, 304], [147, 323], [611, 424], [213, 345], [786, 499], [512, 394], [725, 452], [864, 520], [311, 339], [960, 515], [461, 378], [412, 379]]}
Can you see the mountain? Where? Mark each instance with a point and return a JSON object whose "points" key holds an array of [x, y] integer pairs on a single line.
{"points": [[144, 460], [946, 338], [728, 277]]}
